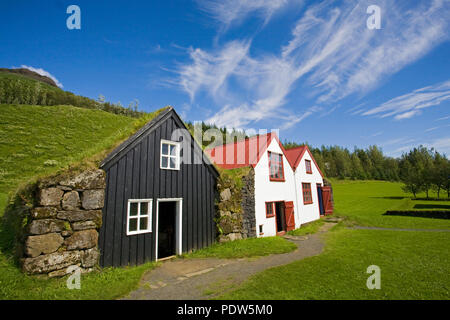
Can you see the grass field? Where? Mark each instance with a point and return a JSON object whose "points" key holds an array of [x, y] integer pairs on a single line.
{"points": [[365, 202], [36, 141], [414, 265], [252, 247]]}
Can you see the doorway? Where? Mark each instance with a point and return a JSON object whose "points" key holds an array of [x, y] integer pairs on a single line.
{"points": [[168, 237], [280, 217]]}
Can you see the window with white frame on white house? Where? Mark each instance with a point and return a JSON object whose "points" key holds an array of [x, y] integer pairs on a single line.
{"points": [[170, 155], [139, 216]]}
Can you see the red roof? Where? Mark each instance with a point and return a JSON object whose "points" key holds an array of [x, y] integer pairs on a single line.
{"points": [[295, 155], [242, 153], [231, 155]]}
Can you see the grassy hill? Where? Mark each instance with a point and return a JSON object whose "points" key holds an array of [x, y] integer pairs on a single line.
{"points": [[28, 88], [37, 141]]}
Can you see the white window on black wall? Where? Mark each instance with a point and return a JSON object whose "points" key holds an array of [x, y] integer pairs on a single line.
{"points": [[170, 155], [139, 216]]}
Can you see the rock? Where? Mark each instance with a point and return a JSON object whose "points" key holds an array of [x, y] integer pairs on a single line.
{"points": [[82, 240], [234, 236], [50, 197], [47, 243], [67, 233], [46, 226], [223, 238], [225, 213], [93, 199], [51, 262], [83, 225], [226, 224], [78, 215], [93, 179], [90, 258], [44, 212], [71, 201], [62, 272], [225, 195], [63, 188]]}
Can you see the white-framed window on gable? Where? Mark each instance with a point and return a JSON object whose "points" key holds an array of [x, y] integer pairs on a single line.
{"points": [[139, 216], [170, 155]]}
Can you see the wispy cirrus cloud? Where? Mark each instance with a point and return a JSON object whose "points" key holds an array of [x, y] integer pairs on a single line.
{"points": [[331, 53], [42, 72], [228, 12], [413, 103]]}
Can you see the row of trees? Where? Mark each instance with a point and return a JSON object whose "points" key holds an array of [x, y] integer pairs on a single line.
{"points": [[359, 164], [20, 90], [422, 170]]}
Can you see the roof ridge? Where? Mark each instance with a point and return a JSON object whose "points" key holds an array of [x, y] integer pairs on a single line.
{"points": [[243, 140]]}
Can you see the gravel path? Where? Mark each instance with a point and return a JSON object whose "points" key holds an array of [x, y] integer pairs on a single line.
{"points": [[192, 279]]}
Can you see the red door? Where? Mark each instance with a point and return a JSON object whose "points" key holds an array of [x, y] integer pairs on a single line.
{"points": [[327, 199], [289, 214]]}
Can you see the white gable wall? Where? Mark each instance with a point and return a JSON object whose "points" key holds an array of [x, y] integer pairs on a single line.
{"points": [[271, 191], [307, 212]]}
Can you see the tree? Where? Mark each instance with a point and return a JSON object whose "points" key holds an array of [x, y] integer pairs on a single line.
{"points": [[410, 178]]}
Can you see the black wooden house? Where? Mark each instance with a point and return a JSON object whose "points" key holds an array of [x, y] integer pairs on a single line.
{"points": [[160, 195]]}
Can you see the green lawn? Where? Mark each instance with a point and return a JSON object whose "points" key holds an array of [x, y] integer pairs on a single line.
{"points": [[246, 248], [414, 265], [36, 141], [308, 228], [365, 202]]}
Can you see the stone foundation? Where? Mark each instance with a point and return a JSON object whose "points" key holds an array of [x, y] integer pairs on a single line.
{"points": [[62, 228]]}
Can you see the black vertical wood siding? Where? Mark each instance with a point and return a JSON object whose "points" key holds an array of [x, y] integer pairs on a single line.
{"points": [[135, 174]]}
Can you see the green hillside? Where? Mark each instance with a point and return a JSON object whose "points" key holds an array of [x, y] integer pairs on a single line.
{"points": [[37, 141], [18, 88]]}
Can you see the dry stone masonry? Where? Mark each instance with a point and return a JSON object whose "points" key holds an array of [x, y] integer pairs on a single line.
{"points": [[236, 207], [62, 229]]}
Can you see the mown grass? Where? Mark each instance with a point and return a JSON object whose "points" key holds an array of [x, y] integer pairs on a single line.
{"points": [[36, 141], [414, 265], [246, 248], [308, 228], [365, 202]]}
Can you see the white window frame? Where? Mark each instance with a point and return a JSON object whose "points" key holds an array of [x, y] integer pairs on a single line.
{"points": [[177, 155], [138, 217]]}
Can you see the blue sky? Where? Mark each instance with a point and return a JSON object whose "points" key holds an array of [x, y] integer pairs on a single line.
{"points": [[311, 69]]}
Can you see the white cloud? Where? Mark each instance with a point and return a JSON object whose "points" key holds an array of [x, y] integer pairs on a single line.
{"points": [[443, 118], [228, 12], [331, 50], [42, 72], [413, 103], [209, 71], [342, 56]]}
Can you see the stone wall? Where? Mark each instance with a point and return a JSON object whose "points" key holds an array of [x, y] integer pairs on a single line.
{"points": [[62, 226], [248, 205], [236, 207]]}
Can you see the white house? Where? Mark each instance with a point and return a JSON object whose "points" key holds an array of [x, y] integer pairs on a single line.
{"points": [[285, 192], [308, 178]]}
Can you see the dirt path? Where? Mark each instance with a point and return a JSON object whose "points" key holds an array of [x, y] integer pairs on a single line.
{"points": [[192, 279]]}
